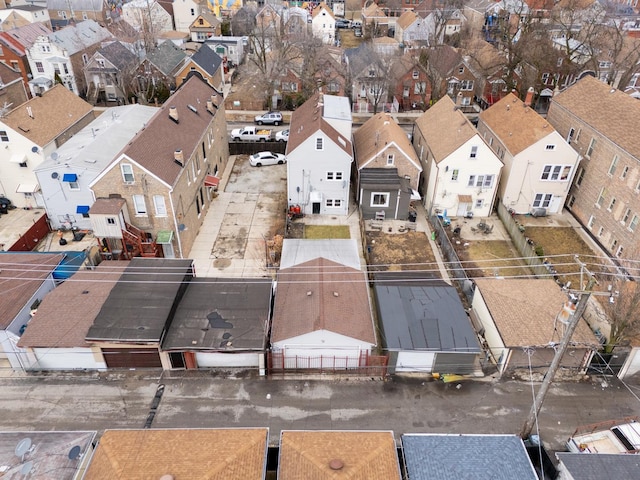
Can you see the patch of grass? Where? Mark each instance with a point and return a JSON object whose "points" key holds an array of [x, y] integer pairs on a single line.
{"points": [[561, 241], [407, 251], [326, 231], [490, 258]]}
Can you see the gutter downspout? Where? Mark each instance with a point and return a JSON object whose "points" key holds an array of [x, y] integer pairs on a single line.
{"points": [[175, 223]]}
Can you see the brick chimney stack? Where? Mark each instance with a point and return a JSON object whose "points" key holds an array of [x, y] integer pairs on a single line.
{"points": [[529, 98]]}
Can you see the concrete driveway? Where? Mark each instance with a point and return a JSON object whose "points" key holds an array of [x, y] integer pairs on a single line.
{"points": [[248, 211]]}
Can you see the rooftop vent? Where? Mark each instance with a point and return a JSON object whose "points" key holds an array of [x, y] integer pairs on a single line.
{"points": [[336, 294], [309, 293], [173, 114], [211, 107], [192, 108], [178, 157], [336, 464]]}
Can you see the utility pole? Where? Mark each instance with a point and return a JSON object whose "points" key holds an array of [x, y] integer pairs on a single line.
{"points": [[555, 363]]}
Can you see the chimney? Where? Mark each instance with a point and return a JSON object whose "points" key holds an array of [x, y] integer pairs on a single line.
{"points": [[173, 114], [529, 98], [178, 157], [211, 107], [459, 99]]}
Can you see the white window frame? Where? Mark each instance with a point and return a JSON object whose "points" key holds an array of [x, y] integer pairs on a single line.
{"points": [[383, 195], [160, 206], [127, 173], [592, 145], [74, 185], [474, 151], [390, 159], [612, 203], [591, 221], [542, 200], [139, 205], [613, 166], [550, 147], [319, 143], [601, 195], [633, 224], [455, 174]]}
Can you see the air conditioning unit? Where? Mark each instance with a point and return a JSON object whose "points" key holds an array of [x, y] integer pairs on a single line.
{"points": [[539, 212]]}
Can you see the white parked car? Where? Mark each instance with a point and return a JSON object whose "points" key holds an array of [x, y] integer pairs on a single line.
{"points": [[282, 136], [266, 158]]}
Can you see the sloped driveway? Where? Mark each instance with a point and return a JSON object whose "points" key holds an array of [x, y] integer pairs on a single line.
{"points": [[249, 211]]}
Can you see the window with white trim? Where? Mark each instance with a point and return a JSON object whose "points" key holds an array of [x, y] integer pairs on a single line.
{"points": [[542, 200], [625, 217], [619, 251], [466, 85], [572, 132], [74, 185], [600, 200], [592, 145], [556, 172], [479, 203], [127, 173], [474, 152], [319, 143], [139, 205], [614, 165], [634, 223], [334, 175], [625, 172], [601, 231], [159, 205], [612, 204], [592, 220], [580, 177], [379, 199], [454, 175], [111, 221], [4, 137], [39, 67], [550, 147], [390, 159]]}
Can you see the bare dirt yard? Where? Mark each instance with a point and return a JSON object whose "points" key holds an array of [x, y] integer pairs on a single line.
{"points": [[490, 258], [405, 251], [560, 246]]}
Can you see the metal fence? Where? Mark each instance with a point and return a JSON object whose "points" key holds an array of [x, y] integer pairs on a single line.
{"points": [[249, 148], [454, 266]]}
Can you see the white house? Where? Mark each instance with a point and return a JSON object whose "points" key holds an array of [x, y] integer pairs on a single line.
{"points": [[57, 342], [148, 16], [411, 29], [322, 313], [319, 155], [461, 172], [539, 165], [26, 279], [32, 132], [63, 54], [323, 24], [31, 12], [65, 175], [230, 47], [186, 11]]}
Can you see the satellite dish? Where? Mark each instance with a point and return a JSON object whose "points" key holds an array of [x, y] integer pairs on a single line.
{"points": [[54, 175], [54, 156], [75, 452], [26, 468], [23, 447], [182, 227], [34, 149], [226, 335]]}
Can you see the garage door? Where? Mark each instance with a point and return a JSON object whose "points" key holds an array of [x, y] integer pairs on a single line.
{"points": [[132, 357], [460, 363]]}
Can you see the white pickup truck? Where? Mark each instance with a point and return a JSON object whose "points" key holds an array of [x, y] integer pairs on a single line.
{"points": [[251, 134]]}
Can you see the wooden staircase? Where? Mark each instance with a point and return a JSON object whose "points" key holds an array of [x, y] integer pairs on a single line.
{"points": [[139, 243]]}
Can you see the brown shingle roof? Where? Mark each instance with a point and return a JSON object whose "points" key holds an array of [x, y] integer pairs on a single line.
{"points": [[362, 455], [107, 206], [376, 134], [406, 19], [609, 111], [21, 275], [307, 120], [65, 315], [443, 59], [52, 114], [515, 124], [338, 301], [194, 454], [445, 128], [322, 6], [154, 147], [525, 311]]}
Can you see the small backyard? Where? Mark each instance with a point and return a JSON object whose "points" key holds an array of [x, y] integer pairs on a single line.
{"points": [[403, 251]]}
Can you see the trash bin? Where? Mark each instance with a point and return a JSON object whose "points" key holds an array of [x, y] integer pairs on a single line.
{"points": [[433, 236]]}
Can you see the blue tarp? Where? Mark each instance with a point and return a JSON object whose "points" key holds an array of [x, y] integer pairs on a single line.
{"points": [[70, 177], [70, 265], [82, 209]]}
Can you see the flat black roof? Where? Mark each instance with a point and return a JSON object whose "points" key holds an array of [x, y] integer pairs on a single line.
{"points": [[423, 315], [142, 302], [221, 314]]}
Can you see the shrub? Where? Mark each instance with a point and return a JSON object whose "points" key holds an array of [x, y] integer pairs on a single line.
{"points": [[539, 251]]}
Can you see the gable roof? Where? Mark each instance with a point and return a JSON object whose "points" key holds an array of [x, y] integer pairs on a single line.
{"points": [[360, 58], [21, 38], [525, 311], [76, 5], [498, 457], [444, 59], [77, 37], [373, 11], [207, 59], [319, 8], [154, 147], [160, 282], [342, 251], [339, 301], [307, 119], [8, 75], [604, 109], [407, 19], [210, 18], [221, 314], [120, 56], [196, 454], [21, 275], [516, 125], [167, 57], [599, 465], [445, 128], [46, 121], [376, 135], [306, 455], [82, 296], [425, 315]]}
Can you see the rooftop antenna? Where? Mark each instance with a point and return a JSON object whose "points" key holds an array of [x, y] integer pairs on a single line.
{"points": [[22, 448]]}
